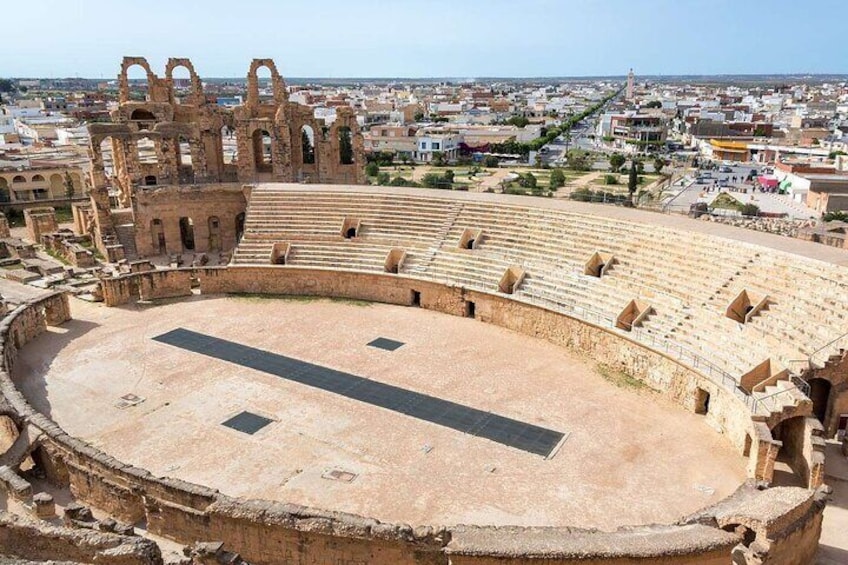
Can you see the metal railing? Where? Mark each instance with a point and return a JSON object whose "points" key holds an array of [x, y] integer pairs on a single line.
{"points": [[822, 351]]}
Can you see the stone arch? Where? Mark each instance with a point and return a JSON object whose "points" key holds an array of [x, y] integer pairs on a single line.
{"points": [[187, 233], [18, 179], [57, 183], [196, 84], [346, 151], [307, 144], [229, 145], [142, 115], [147, 143], [263, 150], [37, 178], [4, 189], [123, 80], [278, 85], [157, 237], [239, 225], [820, 393], [214, 225], [76, 179]]}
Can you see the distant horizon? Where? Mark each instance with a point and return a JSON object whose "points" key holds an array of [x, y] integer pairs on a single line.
{"points": [[443, 38], [467, 79]]}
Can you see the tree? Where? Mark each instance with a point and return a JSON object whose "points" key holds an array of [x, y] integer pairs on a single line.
{"points": [[640, 167], [372, 169], [383, 179], [658, 165], [633, 179], [448, 176], [418, 117], [70, 190], [527, 180], [491, 162], [345, 146], [438, 159], [557, 179], [750, 210], [518, 121], [307, 147], [654, 104], [617, 161]]}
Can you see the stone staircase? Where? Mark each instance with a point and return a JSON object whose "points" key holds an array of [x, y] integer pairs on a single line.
{"points": [[126, 235]]}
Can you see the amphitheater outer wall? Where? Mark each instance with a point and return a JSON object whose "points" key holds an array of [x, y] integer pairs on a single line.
{"points": [[786, 522]]}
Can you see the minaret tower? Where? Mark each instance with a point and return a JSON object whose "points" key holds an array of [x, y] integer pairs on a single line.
{"points": [[630, 85]]}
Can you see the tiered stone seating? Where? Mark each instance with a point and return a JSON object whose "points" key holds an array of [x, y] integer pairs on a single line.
{"points": [[688, 278]]}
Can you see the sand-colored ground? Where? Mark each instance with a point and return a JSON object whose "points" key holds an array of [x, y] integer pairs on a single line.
{"points": [[630, 457]]}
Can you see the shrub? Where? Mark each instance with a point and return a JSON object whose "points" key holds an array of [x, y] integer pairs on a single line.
{"points": [[372, 169], [750, 210], [610, 179]]}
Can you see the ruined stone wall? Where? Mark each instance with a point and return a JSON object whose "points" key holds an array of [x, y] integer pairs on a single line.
{"points": [[212, 210], [35, 540], [39, 221]]}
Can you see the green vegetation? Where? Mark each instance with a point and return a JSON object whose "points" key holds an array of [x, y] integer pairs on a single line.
{"points": [[632, 179], [256, 297], [833, 154], [372, 169], [620, 378], [557, 179], [617, 161], [589, 195], [836, 216], [491, 162], [518, 121], [610, 179], [514, 148], [724, 201], [750, 210]]}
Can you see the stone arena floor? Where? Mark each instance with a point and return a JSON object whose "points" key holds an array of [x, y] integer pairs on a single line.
{"points": [[630, 456]]}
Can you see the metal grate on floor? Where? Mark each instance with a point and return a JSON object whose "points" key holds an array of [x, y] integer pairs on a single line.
{"points": [[507, 431], [385, 343], [247, 422]]}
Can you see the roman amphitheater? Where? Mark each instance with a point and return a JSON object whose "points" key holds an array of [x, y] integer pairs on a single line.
{"points": [[281, 365]]}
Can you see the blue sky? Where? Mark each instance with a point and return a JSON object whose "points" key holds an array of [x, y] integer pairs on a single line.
{"points": [[426, 38]]}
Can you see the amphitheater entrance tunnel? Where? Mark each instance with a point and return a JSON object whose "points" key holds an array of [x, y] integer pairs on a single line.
{"points": [[187, 233], [820, 395]]}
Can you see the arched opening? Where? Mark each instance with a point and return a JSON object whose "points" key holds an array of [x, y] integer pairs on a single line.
{"points": [[229, 146], [239, 226], [187, 233], [470, 243], [214, 233], [184, 146], [108, 156], [262, 151], [18, 179], [150, 180], [820, 395], [57, 184], [147, 154], [157, 236], [137, 82], [142, 115], [185, 164], [37, 178], [307, 140], [702, 402], [181, 80], [345, 146], [263, 79], [4, 190], [790, 466], [350, 233]]}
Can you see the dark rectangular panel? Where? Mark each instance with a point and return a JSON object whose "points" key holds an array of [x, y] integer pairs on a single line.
{"points": [[247, 422], [385, 343], [514, 433]]}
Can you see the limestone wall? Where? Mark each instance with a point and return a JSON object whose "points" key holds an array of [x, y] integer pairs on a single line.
{"points": [[785, 521]]}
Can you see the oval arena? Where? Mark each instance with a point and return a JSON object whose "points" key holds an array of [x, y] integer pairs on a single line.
{"points": [[405, 376]]}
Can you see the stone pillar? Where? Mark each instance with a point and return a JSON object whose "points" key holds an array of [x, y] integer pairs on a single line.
{"points": [[4, 226], [44, 506]]}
